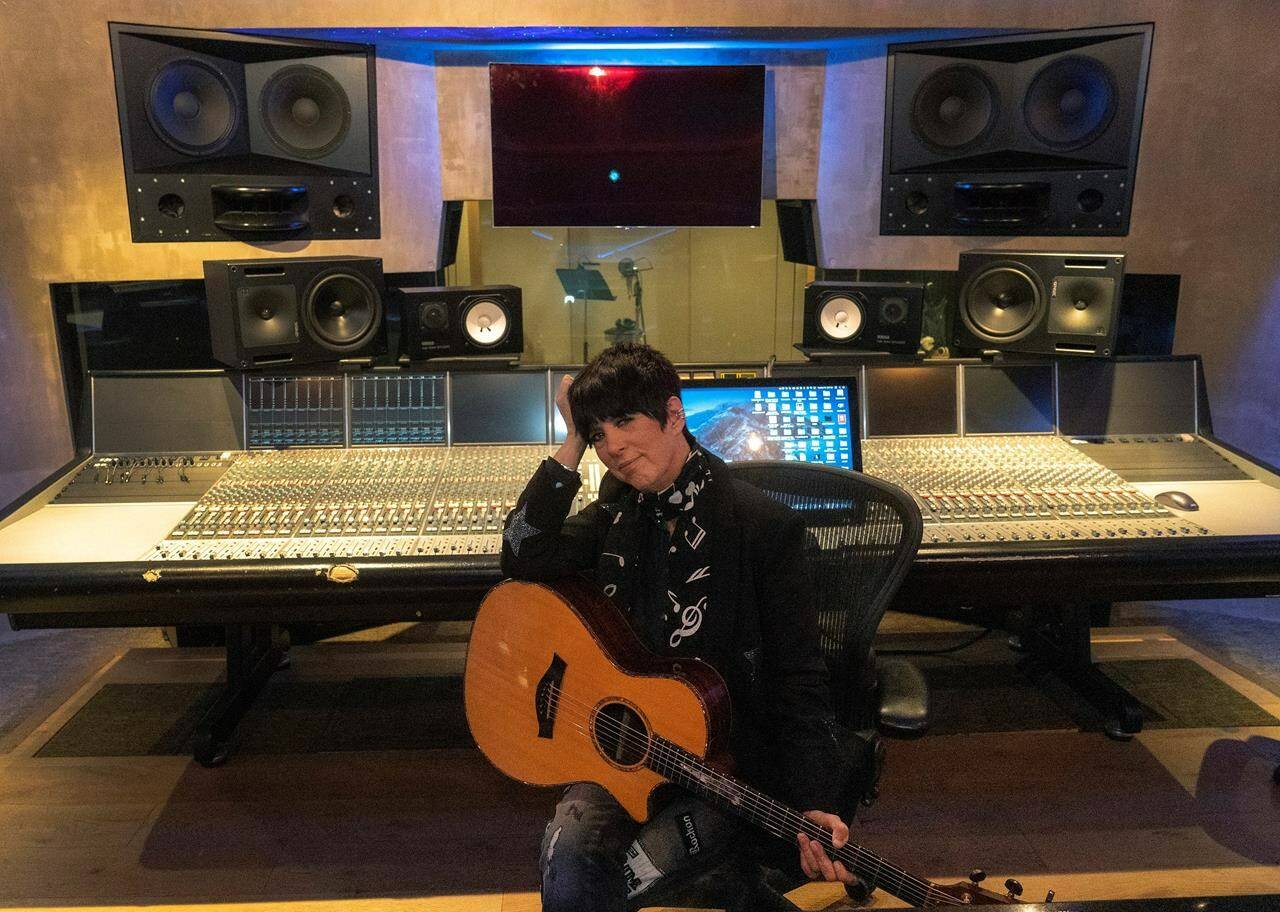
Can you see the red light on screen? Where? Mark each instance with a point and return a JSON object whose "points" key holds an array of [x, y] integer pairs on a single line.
{"points": [[611, 79]]}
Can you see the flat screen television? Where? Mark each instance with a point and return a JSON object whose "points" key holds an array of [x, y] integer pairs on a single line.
{"points": [[626, 145]]}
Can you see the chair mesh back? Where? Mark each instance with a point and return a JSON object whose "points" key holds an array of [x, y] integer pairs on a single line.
{"points": [[862, 536]]}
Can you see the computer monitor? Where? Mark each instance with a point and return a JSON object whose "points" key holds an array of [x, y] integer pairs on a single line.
{"points": [[508, 407], [912, 401], [797, 419]]}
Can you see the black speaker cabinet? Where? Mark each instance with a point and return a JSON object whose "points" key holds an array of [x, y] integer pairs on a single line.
{"points": [[245, 137], [868, 316], [1032, 134], [300, 310], [461, 321], [798, 229], [450, 229], [1046, 303]]}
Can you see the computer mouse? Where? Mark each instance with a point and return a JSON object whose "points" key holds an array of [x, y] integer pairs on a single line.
{"points": [[1176, 500]]}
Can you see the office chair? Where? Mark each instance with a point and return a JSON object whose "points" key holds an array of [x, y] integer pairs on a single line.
{"points": [[862, 534]]}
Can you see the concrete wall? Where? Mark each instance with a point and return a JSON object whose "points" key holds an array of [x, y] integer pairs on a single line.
{"points": [[1206, 186]]}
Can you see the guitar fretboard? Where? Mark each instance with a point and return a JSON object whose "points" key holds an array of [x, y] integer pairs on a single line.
{"points": [[674, 763]]}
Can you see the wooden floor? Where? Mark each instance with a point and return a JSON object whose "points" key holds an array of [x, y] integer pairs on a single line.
{"points": [[1170, 813]]}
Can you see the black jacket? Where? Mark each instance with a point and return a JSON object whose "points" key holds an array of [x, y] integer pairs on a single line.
{"points": [[761, 634]]}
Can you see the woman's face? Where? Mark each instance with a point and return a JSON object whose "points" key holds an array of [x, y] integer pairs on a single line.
{"points": [[641, 452]]}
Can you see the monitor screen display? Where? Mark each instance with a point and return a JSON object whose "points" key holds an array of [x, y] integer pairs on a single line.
{"points": [[626, 145], [1014, 399], [1102, 398], [911, 401], [498, 408], [802, 420]]}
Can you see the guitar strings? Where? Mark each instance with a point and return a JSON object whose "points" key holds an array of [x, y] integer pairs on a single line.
{"points": [[771, 815], [769, 818]]}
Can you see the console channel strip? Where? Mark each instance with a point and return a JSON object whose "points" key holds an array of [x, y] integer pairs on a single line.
{"points": [[1017, 489]]}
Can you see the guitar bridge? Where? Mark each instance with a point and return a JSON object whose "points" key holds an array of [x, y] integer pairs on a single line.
{"points": [[547, 696]]}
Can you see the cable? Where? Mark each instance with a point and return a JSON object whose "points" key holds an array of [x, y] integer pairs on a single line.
{"points": [[965, 644]]}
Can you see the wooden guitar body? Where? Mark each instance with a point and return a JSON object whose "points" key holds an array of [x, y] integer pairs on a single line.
{"points": [[558, 689]]}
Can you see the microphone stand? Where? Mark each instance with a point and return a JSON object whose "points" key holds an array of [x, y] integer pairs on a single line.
{"points": [[640, 310], [584, 326]]}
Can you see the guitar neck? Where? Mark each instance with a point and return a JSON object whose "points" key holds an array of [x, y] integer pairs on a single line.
{"points": [[674, 763]]}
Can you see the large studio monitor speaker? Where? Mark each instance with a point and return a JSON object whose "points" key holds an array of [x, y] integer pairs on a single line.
{"points": [[1032, 134], [245, 137], [798, 230], [1046, 303], [868, 316], [302, 310], [450, 322]]}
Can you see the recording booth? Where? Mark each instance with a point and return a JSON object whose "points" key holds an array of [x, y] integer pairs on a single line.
{"points": [[278, 387]]}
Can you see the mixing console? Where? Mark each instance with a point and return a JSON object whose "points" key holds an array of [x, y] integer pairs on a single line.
{"points": [[1017, 488], [400, 501], [144, 478], [383, 501]]}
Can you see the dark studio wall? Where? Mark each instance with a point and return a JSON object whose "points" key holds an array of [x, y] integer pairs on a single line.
{"points": [[1206, 189]]}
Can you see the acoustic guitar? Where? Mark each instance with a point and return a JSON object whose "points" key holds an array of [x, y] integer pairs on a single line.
{"points": [[558, 689]]}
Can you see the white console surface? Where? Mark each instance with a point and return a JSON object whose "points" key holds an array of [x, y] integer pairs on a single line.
{"points": [[1226, 507], [88, 533]]}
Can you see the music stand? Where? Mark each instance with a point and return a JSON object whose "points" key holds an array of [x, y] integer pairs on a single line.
{"points": [[587, 285]]}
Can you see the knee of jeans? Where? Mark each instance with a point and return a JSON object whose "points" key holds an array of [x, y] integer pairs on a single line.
{"points": [[568, 846]]}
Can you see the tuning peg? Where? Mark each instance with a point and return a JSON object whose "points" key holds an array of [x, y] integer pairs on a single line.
{"points": [[1014, 888], [977, 875]]}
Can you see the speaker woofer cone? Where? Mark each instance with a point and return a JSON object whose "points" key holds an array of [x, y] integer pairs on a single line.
{"points": [[191, 106], [305, 111], [342, 310], [840, 316], [1070, 102], [954, 108], [485, 321], [1002, 303]]}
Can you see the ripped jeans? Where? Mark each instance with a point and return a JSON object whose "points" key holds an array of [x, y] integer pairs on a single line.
{"points": [[595, 857]]}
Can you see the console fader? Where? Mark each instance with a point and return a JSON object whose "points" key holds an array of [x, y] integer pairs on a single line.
{"points": [[1017, 488], [379, 501]]}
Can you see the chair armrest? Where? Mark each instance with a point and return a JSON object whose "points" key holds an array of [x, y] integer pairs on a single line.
{"points": [[904, 698]]}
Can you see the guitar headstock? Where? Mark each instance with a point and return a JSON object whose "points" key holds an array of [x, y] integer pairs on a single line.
{"points": [[969, 893]]}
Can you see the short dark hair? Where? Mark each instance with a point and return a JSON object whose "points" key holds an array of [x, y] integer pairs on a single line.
{"points": [[625, 379]]}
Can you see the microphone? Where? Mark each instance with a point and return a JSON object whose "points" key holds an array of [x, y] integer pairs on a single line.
{"points": [[628, 267]]}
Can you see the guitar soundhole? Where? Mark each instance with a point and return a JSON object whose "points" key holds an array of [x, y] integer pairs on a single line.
{"points": [[621, 734]]}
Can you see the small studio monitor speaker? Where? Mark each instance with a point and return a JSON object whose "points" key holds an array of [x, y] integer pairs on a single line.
{"points": [[303, 310], [245, 137], [1031, 134], [866, 316], [451, 322], [1045, 303]]}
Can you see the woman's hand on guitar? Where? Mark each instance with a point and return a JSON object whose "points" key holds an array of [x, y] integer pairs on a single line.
{"points": [[813, 858]]}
